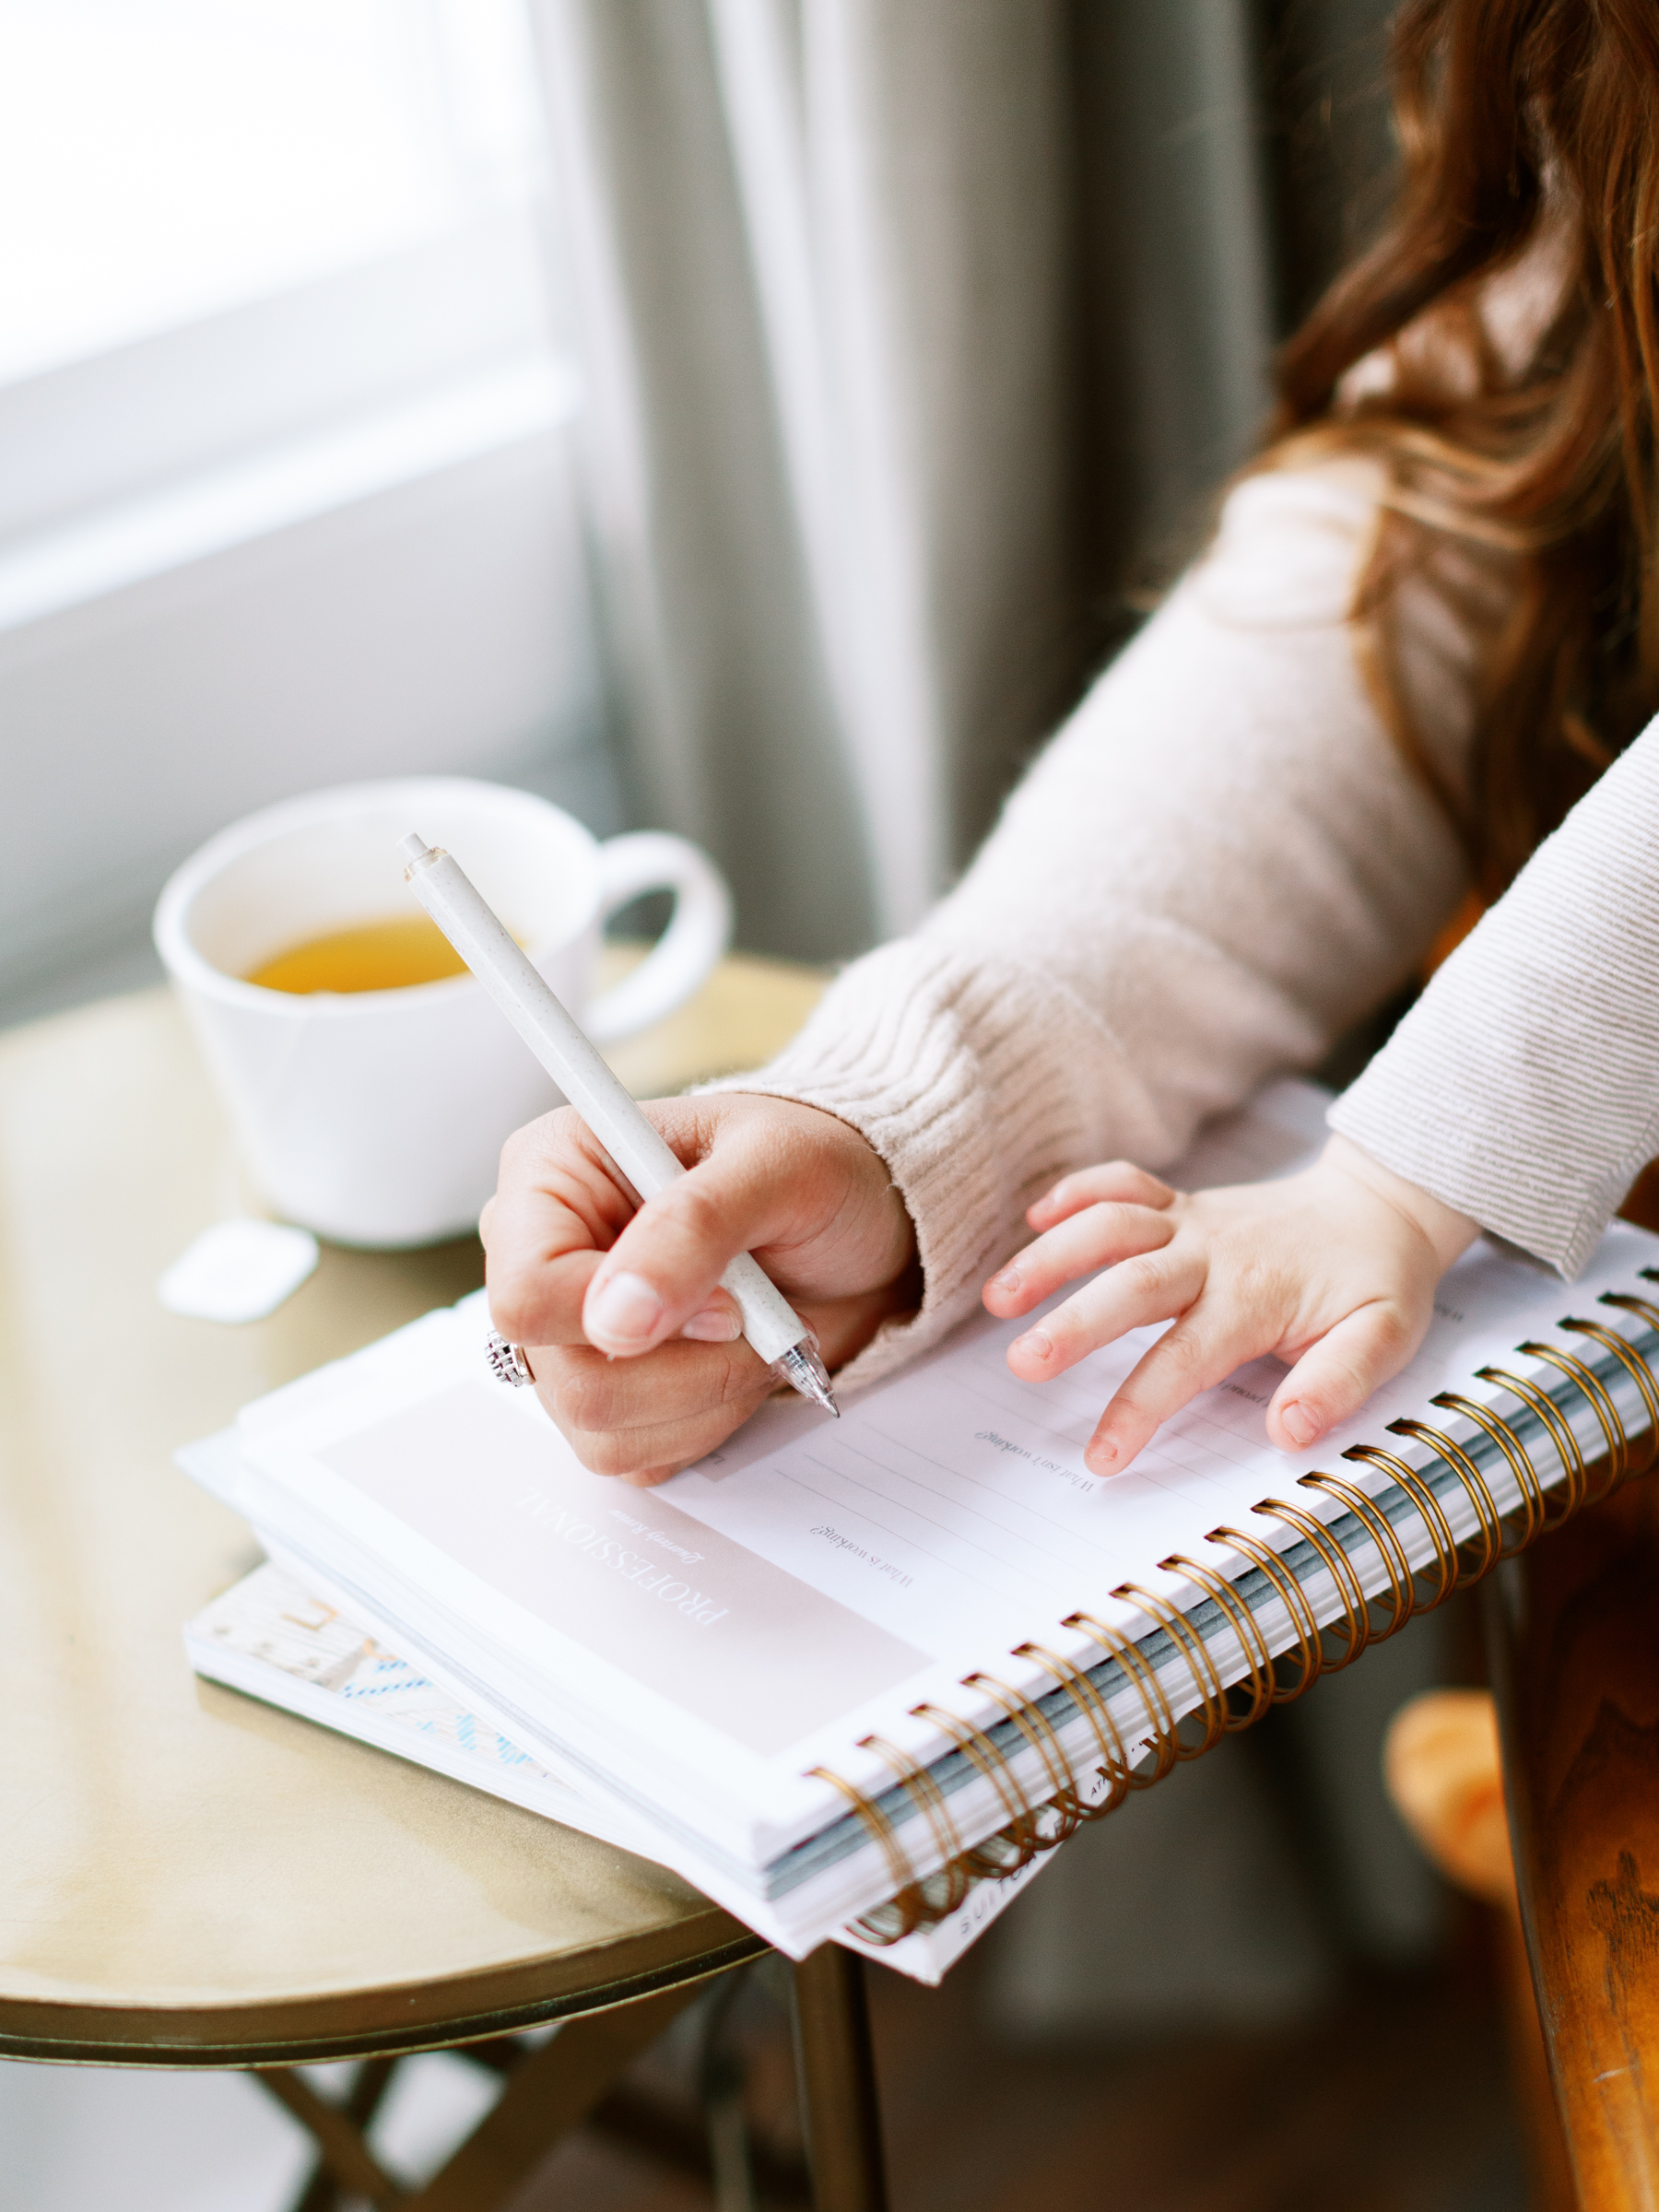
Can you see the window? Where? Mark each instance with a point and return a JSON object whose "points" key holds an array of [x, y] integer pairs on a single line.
{"points": [[229, 224], [163, 161], [284, 495]]}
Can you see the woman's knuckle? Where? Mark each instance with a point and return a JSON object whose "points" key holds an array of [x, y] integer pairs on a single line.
{"points": [[510, 1309], [587, 1394], [694, 1211], [516, 1151], [742, 1376], [605, 1451]]}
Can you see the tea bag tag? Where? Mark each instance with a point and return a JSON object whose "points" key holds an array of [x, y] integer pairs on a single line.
{"points": [[238, 1271]]}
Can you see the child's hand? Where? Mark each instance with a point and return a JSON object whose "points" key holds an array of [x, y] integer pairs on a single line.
{"points": [[1332, 1270]]}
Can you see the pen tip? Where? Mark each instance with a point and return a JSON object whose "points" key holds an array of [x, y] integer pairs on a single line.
{"points": [[803, 1370]]}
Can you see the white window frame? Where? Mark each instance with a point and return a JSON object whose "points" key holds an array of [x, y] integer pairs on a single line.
{"points": [[239, 556], [116, 467]]}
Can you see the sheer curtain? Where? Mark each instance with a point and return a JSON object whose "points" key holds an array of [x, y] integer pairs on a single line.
{"points": [[907, 324]]}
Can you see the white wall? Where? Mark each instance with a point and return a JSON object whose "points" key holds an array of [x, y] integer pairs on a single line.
{"points": [[439, 626]]}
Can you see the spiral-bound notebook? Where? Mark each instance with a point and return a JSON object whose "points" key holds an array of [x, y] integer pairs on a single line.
{"points": [[840, 1672]]}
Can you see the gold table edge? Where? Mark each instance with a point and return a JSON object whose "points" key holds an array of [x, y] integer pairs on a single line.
{"points": [[311, 2031]]}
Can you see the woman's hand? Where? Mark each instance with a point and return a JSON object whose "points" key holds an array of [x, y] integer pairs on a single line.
{"points": [[1332, 1270], [637, 1352]]}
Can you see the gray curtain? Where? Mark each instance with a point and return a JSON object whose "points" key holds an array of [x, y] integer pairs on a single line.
{"points": [[915, 333]]}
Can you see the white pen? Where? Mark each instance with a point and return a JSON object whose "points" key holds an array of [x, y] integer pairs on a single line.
{"points": [[776, 1331]]}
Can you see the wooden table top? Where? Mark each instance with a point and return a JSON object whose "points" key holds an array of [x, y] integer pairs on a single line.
{"points": [[186, 1875]]}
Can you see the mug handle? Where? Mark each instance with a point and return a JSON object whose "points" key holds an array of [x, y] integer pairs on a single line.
{"points": [[683, 956]]}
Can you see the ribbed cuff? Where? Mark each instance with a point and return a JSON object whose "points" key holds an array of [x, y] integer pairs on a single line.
{"points": [[962, 1074]]}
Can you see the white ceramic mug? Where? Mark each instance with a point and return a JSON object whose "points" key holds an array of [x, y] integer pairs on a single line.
{"points": [[377, 1117]]}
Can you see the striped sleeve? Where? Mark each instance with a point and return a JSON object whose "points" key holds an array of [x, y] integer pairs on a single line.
{"points": [[1523, 1087]]}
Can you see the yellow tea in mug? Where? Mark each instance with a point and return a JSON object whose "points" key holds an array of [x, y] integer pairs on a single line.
{"points": [[375, 955]]}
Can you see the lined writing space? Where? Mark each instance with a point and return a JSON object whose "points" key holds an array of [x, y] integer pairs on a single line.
{"points": [[952, 1505]]}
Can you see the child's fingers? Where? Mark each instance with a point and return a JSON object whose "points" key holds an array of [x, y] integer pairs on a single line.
{"points": [[1333, 1378], [1200, 1351], [1152, 1287], [1115, 1183], [1087, 1241]]}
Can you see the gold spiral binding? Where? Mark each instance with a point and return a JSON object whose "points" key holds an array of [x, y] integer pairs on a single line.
{"points": [[1640, 1372], [1630, 1304], [927, 1797], [1021, 1836], [906, 1916], [1561, 1436], [906, 1903], [1310, 1650], [1206, 1681], [1033, 1724], [1114, 1759], [1535, 1498], [1601, 1404], [1245, 1627], [1402, 1583], [1350, 1588], [1163, 1737], [1428, 1508], [1487, 1517], [1629, 1359], [1013, 1847]]}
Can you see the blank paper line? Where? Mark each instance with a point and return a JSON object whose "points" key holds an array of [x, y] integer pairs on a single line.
{"points": [[841, 1474], [1004, 1529], [1065, 1527], [841, 1505]]}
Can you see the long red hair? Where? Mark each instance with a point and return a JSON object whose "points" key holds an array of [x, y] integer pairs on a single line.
{"points": [[1526, 126]]}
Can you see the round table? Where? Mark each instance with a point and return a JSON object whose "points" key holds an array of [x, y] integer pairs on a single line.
{"points": [[185, 1874], [190, 1877]]}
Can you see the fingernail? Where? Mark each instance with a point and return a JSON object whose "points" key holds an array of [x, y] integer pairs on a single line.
{"points": [[624, 1312], [1009, 1279], [1102, 1455], [1298, 1423], [713, 1324], [1035, 1343]]}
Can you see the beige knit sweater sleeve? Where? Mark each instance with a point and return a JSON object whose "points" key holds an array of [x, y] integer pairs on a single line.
{"points": [[1219, 864]]}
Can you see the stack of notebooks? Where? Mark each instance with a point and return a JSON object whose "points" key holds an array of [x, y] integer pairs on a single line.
{"points": [[854, 1680]]}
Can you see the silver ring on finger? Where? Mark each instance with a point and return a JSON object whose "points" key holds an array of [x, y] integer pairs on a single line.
{"points": [[507, 1361]]}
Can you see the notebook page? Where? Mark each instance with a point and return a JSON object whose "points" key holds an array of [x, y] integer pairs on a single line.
{"points": [[953, 1505]]}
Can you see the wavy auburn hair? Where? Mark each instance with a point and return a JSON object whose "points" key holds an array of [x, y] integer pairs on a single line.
{"points": [[1523, 124]]}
